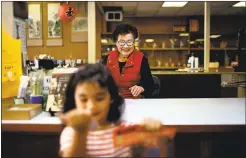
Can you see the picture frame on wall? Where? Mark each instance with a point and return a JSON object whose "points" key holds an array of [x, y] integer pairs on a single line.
{"points": [[79, 25], [34, 24], [54, 24]]}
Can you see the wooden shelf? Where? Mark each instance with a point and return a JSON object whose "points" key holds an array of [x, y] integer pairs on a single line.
{"points": [[173, 49], [151, 33], [196, 49], [108, 44], [107, 33], [161, 33], [215, 49], [163, 67], [223, 49], [104, 54]]}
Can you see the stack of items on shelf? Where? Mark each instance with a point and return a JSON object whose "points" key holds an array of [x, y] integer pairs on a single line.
{"points": [[41, 90], [57, 88]]}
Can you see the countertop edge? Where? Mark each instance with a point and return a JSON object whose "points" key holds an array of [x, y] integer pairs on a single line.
{"points": [[57, 128], [193, 73]]}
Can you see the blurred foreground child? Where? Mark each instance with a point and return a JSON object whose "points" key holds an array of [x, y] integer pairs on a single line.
{"points": [[92, 111]]}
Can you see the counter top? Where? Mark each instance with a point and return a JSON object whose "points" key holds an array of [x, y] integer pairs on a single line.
{"points": [[187, 114], [193, 73]]}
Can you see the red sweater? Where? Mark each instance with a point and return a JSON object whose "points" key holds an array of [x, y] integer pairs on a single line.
{"points": [[130, 75]]}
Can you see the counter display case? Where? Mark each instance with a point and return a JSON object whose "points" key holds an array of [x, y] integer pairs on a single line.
{"points": [[205, 128]]}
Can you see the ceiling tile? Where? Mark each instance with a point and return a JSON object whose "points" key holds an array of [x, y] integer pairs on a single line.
{"points": [[149, 13], [140, 9], [146, 5], [123, 4], [232, 11], [149, 10], [145, 14], [222, 4], [129, 9], [167, 11], [192, 8]]}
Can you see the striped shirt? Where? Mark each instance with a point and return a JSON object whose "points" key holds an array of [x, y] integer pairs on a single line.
{"points": [[99, 143]]}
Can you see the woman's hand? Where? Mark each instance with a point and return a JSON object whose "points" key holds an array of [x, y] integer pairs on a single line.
{"points": [[136, 90], [77, 119]]}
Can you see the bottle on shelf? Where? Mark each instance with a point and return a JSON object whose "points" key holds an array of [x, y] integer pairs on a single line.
{"points": [[191, 61], [226, 59], [170, 61], [108, 50], [181, 44], [163, 45]]}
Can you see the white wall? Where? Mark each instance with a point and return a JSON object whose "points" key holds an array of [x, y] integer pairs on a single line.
{"points": [[8, 17]]}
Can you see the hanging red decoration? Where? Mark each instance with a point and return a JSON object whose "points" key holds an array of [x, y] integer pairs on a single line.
{"points": [[67, 12]]}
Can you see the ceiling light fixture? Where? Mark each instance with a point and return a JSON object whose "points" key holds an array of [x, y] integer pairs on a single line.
{"points": [[240, 4], [174, 4]]}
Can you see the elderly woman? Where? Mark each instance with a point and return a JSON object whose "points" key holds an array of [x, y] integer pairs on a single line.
{"points": [[129, 67]]}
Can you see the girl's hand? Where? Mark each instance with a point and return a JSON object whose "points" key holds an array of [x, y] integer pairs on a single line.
{"points": [[77, 119], [151, 125]]}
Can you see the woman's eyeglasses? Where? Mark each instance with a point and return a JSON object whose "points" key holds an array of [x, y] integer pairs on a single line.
{"points": [[128, 43]]}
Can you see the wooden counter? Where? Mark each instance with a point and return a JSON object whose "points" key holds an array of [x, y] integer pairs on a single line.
{"points": [[205, 126], [189, 115], [197, 84], [193, 73]]}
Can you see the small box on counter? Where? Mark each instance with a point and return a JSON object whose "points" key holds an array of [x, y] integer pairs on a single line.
{"points": [[21, 111]]}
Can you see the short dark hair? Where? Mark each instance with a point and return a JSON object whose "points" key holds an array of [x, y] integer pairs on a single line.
{"points": [[100, 74], [123, 29]]}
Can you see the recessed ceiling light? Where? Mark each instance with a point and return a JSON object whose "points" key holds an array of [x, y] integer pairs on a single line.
{"points": [[240, 4], [149, 40], [214, 36], [174, 4]]}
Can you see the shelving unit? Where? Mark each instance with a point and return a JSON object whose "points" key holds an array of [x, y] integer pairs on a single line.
{"points": [[213, 49], [104, 54], [107, 33], [174, 49], [159, 33], [177, 54], [108, 44], [163, 67]]}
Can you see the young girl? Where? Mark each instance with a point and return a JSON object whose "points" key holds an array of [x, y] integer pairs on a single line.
{"points": [[92, 110]]}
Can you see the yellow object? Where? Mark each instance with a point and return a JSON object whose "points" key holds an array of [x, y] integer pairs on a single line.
{"points": [[11, 65], [214, 65]]}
